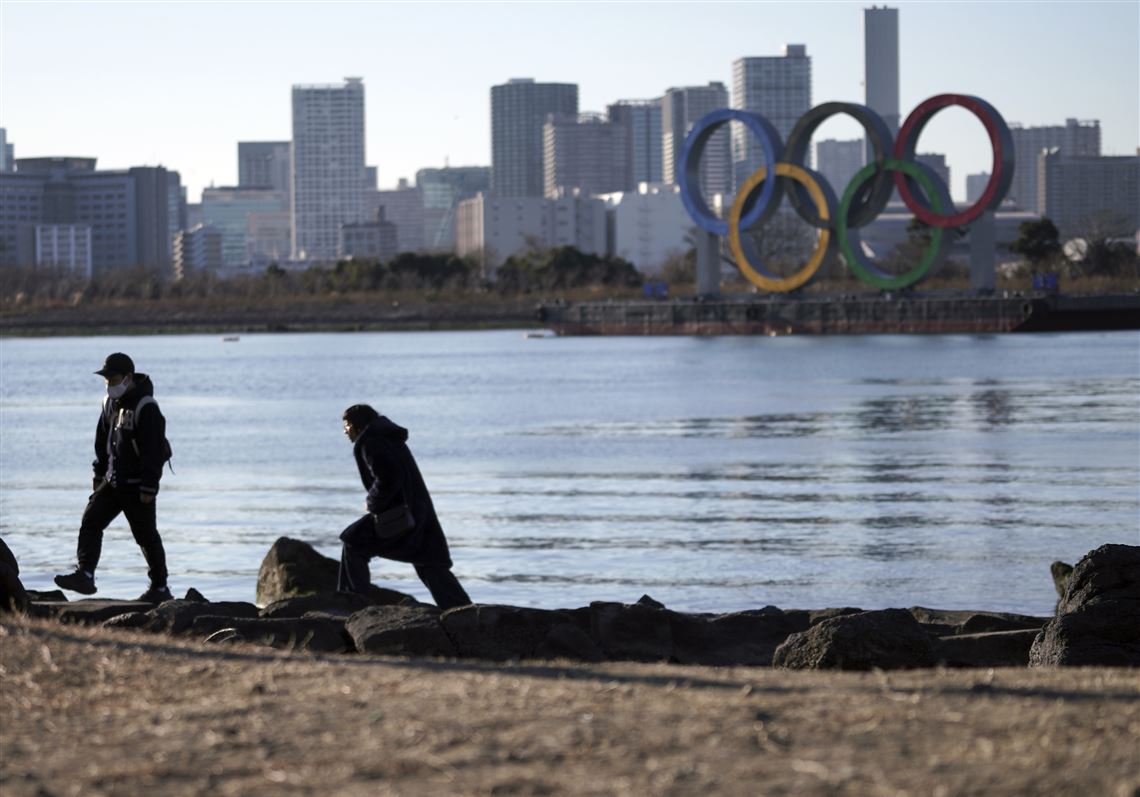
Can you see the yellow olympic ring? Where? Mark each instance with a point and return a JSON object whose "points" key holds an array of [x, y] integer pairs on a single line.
{"points": [[804, 178]]}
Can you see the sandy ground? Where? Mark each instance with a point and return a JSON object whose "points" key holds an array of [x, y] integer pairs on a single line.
{"points": [[94, 712]]}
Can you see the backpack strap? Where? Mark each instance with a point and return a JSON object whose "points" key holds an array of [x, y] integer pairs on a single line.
{"points": [[143, 402]]}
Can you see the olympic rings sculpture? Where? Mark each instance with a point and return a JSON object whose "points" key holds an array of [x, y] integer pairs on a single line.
{"points": [[865, 197]]}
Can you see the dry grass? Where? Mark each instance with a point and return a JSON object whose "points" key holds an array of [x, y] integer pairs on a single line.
{"points": [[89, 712]]}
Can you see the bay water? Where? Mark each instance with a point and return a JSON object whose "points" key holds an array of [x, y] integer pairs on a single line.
{"points": [[714, 474]]}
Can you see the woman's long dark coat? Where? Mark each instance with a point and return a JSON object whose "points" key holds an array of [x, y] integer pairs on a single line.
{"points": [[390, 474]]}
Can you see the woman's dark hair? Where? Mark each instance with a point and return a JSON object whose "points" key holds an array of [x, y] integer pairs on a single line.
{"points": [[360, 415]]}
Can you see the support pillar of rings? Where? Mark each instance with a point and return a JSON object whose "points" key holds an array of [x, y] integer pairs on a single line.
{"points": [[708, 264], [983, 276]]}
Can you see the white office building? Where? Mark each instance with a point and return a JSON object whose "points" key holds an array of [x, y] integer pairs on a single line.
{"points": [[493, 228], [648, 226], [328, 165]]}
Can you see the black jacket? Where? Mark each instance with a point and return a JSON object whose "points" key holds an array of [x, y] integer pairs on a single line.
{"points": [[390, 474], [130, 448]]}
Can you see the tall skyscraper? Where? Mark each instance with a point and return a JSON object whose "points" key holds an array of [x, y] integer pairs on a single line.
{"points": [[681, 108], [519, 109], [776, 87], [642, 122], [1076, 139], [328, 165], [881, 65], [838, 161], [584, 152], [264, 164]]}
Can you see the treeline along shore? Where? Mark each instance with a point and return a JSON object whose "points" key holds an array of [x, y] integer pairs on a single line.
{"points": [[412, 291], [531, 289], [198, 697]]}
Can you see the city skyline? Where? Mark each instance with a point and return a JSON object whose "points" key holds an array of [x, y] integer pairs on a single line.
{"points": [[429, 75]]}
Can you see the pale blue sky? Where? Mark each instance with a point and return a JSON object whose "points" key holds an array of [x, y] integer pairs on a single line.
{"points": [[179, 84]]}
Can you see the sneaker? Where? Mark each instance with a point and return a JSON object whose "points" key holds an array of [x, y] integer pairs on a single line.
{"points": [[78, 581], [155, 595]]}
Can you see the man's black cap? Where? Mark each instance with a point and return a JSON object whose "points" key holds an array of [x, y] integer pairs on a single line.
{"points": [[117, 363]]}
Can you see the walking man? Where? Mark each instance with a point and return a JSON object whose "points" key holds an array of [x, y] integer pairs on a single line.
{"points": [[401, 523], [130, 450]]}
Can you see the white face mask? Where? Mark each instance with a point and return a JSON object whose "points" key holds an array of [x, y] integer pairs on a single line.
{"points": [[117, 391]]}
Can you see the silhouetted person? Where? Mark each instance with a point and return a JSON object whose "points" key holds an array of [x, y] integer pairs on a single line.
{"points": [[130, 450], [390, 475]]}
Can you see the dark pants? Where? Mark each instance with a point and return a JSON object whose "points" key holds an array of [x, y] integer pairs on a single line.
{"points": [[353, 576], [104, 506]]}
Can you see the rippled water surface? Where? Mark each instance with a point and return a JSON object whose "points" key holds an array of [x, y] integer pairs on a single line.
{"points": [[712, 474]]}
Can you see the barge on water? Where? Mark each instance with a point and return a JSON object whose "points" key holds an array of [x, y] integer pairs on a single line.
{"points": [[845, 315]]}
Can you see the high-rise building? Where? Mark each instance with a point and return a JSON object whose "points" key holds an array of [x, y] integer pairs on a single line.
{"points": [[441, 191], [1076, 139], [681, 108], [838, 162], [641, 120], [127, 210], [328, 165], [776, 87], [265, 164], [1083, 195], [585, 152], [881, 65], [7, 152], [519, 109]]}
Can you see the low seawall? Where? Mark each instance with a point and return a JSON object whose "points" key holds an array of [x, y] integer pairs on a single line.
{"points": [[844, 315]]}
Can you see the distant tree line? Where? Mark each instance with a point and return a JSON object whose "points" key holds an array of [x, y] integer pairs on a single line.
{"points": [[535, 270]]}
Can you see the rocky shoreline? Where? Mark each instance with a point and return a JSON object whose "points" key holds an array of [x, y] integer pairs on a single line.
{"points": [[1097, 623]]}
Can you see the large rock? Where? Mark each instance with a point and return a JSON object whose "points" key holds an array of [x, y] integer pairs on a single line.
{"points": [[1098, 618], [400, 631], [293, 569], [313, 635], [890, 640], [740, 638], [178, 616], [639, 631], [504, 633], [89, 611], [943, 622], [47, 596], [988, 649], [343, 603]]}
